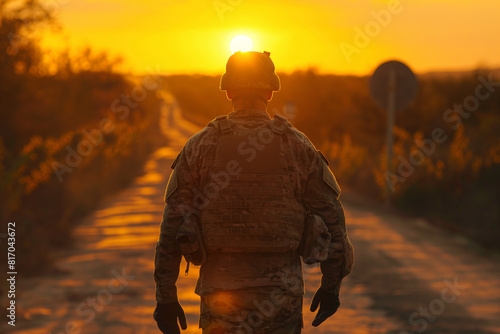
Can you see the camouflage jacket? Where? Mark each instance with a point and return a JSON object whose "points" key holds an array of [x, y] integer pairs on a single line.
{"points": [[315, 187]]}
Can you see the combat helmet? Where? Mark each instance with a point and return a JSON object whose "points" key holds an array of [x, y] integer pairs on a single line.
{"points": [[250, 70]]}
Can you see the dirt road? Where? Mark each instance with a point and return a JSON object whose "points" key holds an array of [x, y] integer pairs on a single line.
{"points": [[409, 277]]}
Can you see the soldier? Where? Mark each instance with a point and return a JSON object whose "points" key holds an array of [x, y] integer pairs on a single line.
{"points": [[237, 202]]}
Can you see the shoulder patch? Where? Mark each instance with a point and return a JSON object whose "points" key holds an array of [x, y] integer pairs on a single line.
{"points": [[171, 185], [324, 158], [330, 180], [175, 161]]}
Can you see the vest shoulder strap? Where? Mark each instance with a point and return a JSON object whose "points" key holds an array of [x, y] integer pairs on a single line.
{"points": [[279, 124], [222, 123]]}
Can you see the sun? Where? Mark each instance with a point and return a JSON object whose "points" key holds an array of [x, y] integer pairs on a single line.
{"points": [[241, 43]]}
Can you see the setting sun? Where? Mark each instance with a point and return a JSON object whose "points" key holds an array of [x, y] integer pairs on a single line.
{"points": [[241, 43]]}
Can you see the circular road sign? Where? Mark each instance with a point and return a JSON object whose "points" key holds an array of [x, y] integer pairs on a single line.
{"points": [[394, 85]]}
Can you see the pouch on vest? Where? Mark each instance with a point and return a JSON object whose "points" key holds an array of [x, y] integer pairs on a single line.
{"points": [[190, 241], [316, 240]]}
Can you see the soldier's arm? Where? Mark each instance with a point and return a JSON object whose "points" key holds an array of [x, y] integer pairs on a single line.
{"points": [[321, 197], [179, 202]]}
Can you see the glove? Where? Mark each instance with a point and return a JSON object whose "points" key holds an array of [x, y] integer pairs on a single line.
{"points": [[328, 305], [166, 317]]}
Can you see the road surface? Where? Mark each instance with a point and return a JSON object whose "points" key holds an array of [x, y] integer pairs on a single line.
{"points": [[409, 277]]}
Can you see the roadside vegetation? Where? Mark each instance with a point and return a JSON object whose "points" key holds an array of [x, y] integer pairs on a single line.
{"points": [[67, 137]]}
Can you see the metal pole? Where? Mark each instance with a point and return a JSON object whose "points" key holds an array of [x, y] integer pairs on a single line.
{"points": [[390, 125]]}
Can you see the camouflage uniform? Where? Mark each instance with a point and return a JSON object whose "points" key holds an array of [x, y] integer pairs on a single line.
{"points": [[242, 292]]}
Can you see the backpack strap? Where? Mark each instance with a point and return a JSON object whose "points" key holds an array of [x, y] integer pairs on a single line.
{"points": [[222, 123], [279, 124]]}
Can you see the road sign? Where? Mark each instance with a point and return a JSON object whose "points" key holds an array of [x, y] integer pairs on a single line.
{"points": [[393, 77], [393, 86]]}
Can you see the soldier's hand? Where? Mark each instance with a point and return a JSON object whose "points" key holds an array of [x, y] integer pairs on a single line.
{"points": [[166, 317], [328, 305]]}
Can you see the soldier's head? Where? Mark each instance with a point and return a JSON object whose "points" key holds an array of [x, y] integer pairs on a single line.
{"points": [[250, 76]]}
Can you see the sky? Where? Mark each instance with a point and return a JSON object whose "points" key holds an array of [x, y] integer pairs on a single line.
{"points": [[334, 36]]}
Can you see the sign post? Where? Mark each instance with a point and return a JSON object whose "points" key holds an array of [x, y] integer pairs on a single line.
{"points": [[393, 86]]}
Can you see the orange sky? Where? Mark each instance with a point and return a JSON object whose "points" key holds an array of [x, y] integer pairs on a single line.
{"points": [[193, 36]]}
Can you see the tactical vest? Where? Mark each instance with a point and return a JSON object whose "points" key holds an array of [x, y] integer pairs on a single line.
{"points": [[251, 204]]}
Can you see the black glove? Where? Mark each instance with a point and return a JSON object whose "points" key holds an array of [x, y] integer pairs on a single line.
{"points": [[328, 305], [166, 317]]}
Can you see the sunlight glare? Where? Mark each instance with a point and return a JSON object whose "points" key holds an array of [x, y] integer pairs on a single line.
{"points": [[241, 43]]}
